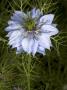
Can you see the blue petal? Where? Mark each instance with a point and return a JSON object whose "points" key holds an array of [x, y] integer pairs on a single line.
{"points": [[42, 52], [15, 42], [9, 34], [49, 30], [13, 27], [46, 19], [41, 48], [36, 13], [44, 41], [15, 38], [35, 47], [31, 42], [10, 22], [15, 34], [19, 16], [25, 44]]}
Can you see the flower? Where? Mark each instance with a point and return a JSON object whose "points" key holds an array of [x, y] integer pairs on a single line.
{"points": [[31, 32]]}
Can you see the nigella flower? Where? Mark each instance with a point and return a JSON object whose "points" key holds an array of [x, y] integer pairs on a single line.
{"points": [[31, 32]]}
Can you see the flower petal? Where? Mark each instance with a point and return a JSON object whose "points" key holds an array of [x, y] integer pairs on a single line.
{"points": [[44, 41], [16, 34], [49, 29], [9, 34], [13, 27], [41, 50], [10, 22], [31, 42], [46, 19], [19, 16], [16, 42], [35, 47], [25, 44], [36, 13]]}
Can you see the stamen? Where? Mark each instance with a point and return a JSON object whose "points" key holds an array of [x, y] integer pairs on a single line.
{"points": [[30, 24]]}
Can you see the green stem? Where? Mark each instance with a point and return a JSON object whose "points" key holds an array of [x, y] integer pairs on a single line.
{"points": [[28, 73], [27, 68]]}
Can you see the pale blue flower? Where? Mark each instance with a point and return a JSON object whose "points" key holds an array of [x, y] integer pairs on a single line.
{"points": [[31, 32]]}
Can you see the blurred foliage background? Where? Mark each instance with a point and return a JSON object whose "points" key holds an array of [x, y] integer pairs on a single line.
{"points": [[49, 71]]}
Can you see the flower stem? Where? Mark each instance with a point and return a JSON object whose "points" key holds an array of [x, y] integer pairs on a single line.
{"points": [[28, 73], [27, 69]]}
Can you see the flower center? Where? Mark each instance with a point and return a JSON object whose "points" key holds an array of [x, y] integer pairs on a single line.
{"points": [[30, 24]]}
